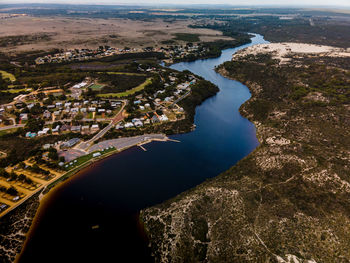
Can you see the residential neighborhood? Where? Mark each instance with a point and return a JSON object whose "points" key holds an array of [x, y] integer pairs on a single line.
{"points": [[77, 122]]}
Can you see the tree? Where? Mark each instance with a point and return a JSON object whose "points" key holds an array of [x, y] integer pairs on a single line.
{"points": [[21, 178], [36, 109], [21, 165], [53, 156], [12, 191], [34, 125], [3, 173], [79, 117], [13, 176]]}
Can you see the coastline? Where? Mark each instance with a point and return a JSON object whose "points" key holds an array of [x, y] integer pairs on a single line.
{"points": [[148, 221], [189, 104], [12, 222], [283, 188], [212, 56]]}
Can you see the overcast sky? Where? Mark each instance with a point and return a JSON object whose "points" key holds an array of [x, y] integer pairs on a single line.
{"points": [[232, 2]]}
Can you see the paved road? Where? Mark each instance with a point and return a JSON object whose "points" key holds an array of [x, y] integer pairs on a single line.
{"points": [[122, 143], [181, 98], [85, 145], [12, 127]]}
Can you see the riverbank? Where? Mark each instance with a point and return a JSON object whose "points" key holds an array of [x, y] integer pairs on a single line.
{"points": [[189, 104], [295, 184], [201, 91], [16, 222], [214, 50], [216, 120]]}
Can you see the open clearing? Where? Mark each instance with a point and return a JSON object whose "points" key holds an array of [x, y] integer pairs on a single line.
{"points": [[68, 33], [7, 75], [281, 51]]}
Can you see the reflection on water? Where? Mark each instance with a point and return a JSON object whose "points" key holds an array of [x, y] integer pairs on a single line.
{"points": [[94, 216]]}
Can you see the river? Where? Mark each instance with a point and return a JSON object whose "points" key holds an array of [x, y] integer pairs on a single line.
{"points": [[94, 216]]}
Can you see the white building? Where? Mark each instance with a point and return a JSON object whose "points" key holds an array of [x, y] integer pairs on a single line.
{"points": [[163, 118], [129, 125]]}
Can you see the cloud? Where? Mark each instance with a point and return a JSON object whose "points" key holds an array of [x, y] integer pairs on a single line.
{"points": [[185, 2]]}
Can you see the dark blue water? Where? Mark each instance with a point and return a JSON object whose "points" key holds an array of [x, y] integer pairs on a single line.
{"points": [[110, 193]]}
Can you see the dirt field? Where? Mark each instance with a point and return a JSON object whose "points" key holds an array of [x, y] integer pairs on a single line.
{"points": [[90, 33]]}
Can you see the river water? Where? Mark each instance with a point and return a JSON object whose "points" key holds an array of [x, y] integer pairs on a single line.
{"points": [[93, 217]]}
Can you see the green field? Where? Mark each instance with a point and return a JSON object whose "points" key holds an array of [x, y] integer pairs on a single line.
{"points": [[96, 87], [18, 90], [7, 75], [128, 92], [4, 132], [126, 73], [85, 158]]}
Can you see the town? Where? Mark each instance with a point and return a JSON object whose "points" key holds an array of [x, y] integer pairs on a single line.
{"points": [[90, 121], [172, 53]]}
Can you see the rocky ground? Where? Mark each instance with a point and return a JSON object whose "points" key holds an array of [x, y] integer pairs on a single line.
{"points": [[288, 201]]}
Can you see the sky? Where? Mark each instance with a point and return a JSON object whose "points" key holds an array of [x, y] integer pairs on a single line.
{"points": [[160, 2]]}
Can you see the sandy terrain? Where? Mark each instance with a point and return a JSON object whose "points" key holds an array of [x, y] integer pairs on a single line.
{"points": [[281, 51], [90, 33]]}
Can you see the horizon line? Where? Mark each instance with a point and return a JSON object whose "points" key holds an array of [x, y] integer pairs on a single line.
{"points": [[180, 5]]}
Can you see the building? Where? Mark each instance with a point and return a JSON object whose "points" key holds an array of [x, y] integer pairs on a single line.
{"points": [[47, 114], [30, 134], [129, 125], [85, 129], [163, 118], [65, 127], [70, 143], [138, 123], [23, 116], [96, 154], [95, 128], [79, 85], [56, 129], [75, 128], [155, 119]]}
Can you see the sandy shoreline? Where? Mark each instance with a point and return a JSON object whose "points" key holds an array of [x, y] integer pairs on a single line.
{"points": [[282, 51], [13, 222]]}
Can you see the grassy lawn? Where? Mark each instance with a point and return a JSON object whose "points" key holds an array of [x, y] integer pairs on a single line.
{"points": [[128, 92], [7, 75], [187, 37], [96, 87], [3, 132], [18, 90]]}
